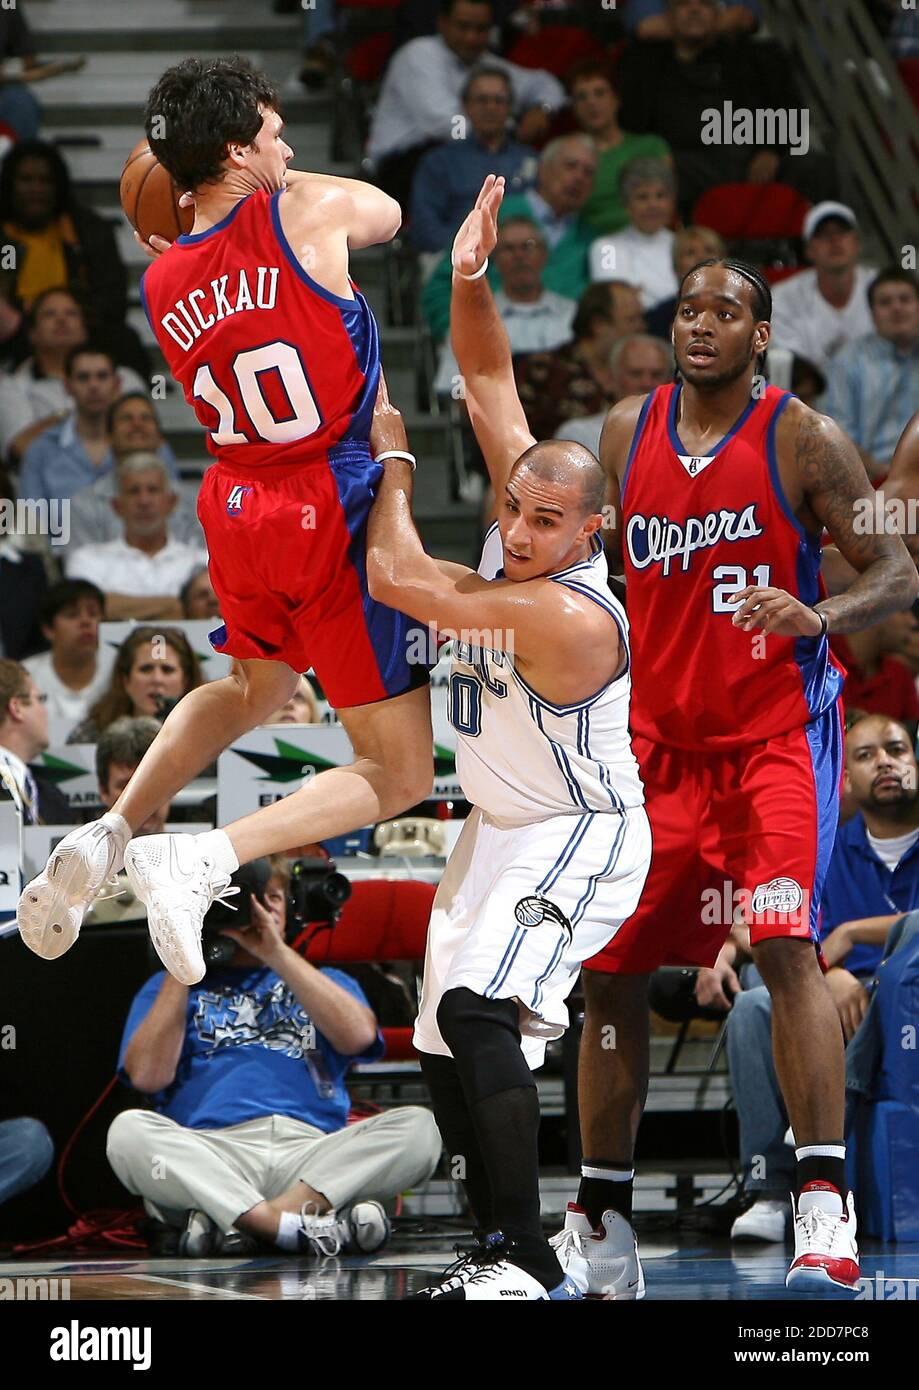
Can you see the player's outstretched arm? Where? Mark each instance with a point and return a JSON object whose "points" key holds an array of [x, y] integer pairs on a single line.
{"points": [[480, 342], [837, 489]]}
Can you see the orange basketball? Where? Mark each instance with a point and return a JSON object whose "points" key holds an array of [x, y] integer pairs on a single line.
{"points": [[149, 197]]}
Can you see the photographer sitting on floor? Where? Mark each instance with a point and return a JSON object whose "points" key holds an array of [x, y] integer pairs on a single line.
{"points": [[246, 1074]]}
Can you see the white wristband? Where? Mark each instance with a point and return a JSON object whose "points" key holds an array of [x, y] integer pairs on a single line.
{"points": [[478, 274], [396, 454]]}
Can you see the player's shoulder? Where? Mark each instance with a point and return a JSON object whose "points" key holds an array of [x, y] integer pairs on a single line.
{"points": [[805, 435], [620, 425]]}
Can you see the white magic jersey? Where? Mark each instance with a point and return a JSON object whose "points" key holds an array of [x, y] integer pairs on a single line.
{"points": [[519, 757]]}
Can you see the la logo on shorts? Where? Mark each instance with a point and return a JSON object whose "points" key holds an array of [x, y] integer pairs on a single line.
{"points": [[532, 912], [236, 498], [778, 895]]}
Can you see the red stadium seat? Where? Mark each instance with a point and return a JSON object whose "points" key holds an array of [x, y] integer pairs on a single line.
{"points": [[556, 48], [752, 211], [383, 920], [908, 69]]}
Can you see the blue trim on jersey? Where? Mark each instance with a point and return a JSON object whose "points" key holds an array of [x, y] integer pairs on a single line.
{"points": [[589, 893], [564, 859], [602, 769], [347, 305], [536, 698], [825, 740], [773, 462], [192, 238], [503, 971], [143, 301], [359, 323], [553, 962], [601, 602], [636, 439], [561, 759], [588, 564], [218, 637], [678, 443]]}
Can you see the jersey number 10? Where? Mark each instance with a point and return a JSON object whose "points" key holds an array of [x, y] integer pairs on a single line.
{"points": [[282, 358]]}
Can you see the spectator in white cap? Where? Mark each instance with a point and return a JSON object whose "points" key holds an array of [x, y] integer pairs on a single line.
{"points": [[819, 311]]}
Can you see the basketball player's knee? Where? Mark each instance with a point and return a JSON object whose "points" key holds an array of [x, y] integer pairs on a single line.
{"points": [[484, 1037], [786, 962], [411, 783], [606, 995]]}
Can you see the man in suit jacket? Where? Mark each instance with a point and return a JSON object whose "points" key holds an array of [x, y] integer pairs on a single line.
{"points": [[23, 735], [22, 584]]}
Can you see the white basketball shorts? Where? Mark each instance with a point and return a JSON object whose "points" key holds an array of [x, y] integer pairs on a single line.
{"points": [[518, 911]]}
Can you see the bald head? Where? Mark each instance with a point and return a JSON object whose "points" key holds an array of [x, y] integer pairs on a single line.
{"points": [[566, 464]]}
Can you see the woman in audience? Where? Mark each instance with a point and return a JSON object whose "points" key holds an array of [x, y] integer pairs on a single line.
{"points": [[642, 253], [154, 668], [57, 241], [301, 708]]}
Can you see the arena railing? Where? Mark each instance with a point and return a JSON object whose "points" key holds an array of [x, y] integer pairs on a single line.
{"points": [[844, 67]]}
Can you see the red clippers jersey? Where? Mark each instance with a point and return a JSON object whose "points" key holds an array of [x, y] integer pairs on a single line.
{"points": [[266, 357], [697, 529]]}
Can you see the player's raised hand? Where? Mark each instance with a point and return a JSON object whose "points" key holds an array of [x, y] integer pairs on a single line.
{"points": [[776, 611], [478, 235], [388, 428]]}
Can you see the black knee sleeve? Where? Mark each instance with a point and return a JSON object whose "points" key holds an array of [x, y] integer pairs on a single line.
{"points": [[484, 1037]]}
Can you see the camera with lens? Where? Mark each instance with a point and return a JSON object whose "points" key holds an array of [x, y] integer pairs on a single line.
{"points": [[317, 894]]}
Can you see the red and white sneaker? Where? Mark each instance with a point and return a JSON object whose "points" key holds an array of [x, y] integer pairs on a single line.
{"points": [[825, 1248], [610, 1252]]}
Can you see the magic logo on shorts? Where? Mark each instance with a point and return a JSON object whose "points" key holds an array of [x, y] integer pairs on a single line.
{"points": [[533, 911], [236, 498]]}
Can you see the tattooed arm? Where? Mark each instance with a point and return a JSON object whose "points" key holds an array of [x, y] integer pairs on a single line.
{"points": [[835, 489]]}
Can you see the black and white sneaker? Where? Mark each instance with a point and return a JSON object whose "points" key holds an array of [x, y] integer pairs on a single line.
{"points": [[489, 1272]]}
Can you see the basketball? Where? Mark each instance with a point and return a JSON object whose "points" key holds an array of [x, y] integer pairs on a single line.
{"points": [[149, 197]]}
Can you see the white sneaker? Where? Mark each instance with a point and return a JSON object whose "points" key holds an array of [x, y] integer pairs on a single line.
{"points": [[825, 1247], [765, 1220], [52, 907], [176, 883], [361, 1230], [490, 1274], [610, 1253]]}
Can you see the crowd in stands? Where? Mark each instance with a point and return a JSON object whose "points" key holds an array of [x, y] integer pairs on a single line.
{"points": [[596, 123]]}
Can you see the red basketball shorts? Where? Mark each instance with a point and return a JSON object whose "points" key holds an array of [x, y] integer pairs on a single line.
{"points": [[743, 833], [287, 550]]}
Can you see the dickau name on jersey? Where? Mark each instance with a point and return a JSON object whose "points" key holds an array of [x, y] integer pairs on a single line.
{"points": [[229, 294]]}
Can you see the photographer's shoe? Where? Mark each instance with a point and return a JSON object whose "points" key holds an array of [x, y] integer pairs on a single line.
{"points": [[361, 1230], [490, 1273], [609, 1254], [52, 907], [765, 1220], [177, 877]]}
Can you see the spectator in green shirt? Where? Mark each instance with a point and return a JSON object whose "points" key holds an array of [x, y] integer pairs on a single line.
{"points": [[596, 109]]}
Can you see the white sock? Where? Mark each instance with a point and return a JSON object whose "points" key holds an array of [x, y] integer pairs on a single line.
{"points": [[288, 1226], [217, 844], [118, 826], [607, 1174]]}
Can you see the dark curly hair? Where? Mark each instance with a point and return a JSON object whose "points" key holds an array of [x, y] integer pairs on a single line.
{"points": [[57, 169], [199, 108]]}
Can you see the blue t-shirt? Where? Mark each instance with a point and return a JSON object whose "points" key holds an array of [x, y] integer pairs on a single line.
{"points": [[858, 884], [250, 1050]]}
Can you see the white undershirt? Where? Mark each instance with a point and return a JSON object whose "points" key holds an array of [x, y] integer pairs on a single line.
{"points": [[891, 851]]}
